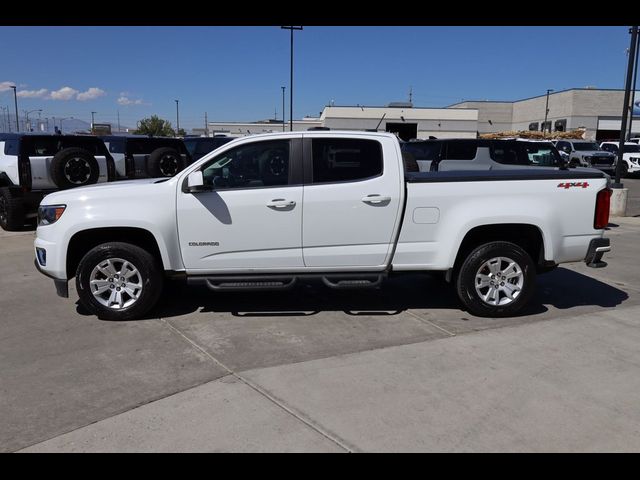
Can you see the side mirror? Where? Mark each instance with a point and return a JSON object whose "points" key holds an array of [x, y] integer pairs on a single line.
{"points": [[195, 182]]}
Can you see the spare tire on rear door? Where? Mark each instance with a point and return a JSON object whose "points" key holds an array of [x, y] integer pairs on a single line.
{"points": [[164, 162], [74, 167]]}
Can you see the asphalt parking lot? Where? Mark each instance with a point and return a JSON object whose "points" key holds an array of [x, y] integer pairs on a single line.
{"points": [[401, 368]]}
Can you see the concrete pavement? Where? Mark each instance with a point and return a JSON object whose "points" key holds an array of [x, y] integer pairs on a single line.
{"points": [[400, 368]]}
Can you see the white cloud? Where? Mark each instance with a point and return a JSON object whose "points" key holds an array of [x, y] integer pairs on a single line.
{"points": [[129, 101], [91, 94], [42, 93], [65, 93], [4, 86]]}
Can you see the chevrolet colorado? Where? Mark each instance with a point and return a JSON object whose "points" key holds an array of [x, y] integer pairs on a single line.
{"points": [[267, 211]]}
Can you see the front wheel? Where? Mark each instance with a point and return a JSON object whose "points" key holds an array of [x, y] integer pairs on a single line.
{"points": [[496, 279], [118, 281]]}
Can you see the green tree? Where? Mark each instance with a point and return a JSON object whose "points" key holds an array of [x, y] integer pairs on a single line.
{"points": [[155, 126], [182, 132]]}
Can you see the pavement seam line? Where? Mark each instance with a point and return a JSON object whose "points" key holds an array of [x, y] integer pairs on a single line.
{"points": [[340, 443], [424, 320]]}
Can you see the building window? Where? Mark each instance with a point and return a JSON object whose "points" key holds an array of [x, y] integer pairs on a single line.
{"points": [[533, 126]]}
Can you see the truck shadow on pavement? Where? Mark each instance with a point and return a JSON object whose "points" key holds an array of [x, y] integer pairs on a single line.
{"points": [[561, 288]]}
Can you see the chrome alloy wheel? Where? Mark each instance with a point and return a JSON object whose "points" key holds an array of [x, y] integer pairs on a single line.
{"points": [[116, 283], [499, 281], [77, 170]]}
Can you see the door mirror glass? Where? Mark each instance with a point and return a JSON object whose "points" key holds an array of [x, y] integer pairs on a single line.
{"points": [[195, 182]]}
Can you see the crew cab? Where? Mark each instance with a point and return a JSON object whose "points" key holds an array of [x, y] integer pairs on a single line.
{"points": [[32, 165], [268, 211]]}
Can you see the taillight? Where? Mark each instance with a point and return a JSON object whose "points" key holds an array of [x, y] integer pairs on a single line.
{"points": [[601, 219]]}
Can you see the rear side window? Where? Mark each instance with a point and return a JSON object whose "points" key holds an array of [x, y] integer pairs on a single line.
{"points": [[345, 159], [11, 147], [541, 154], [507, 153], [461, 150], [116, 145]]}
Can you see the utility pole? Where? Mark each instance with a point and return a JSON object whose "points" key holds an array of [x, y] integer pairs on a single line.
{"points": [[118, 112], [625, 109], [177, 118], [546, 113], [92, 128], [411, 94], [283, 115], [15, 99], [291, 29], [206, 125]]}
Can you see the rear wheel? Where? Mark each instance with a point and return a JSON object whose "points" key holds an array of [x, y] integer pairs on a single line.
{"points": [[11, 210], [497, 279], [118, 281]]}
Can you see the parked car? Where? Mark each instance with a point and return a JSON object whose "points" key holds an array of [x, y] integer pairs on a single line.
{"points": [[587, 153], [635, 140], [630, 156], [32, 166], [198, 147], [137, 156], [481, 154], [267, 211]]}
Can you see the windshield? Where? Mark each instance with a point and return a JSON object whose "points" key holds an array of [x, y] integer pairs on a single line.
{"points": [[585, 147], [631, 148]]}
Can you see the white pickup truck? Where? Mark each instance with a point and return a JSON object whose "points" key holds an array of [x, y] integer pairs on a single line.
{"points": [[267, 211]]}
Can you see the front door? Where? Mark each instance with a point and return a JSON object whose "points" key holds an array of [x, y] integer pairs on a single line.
{"points": [[251, 220]]}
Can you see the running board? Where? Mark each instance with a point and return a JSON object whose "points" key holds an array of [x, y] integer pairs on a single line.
{"points": [[277, 282]]}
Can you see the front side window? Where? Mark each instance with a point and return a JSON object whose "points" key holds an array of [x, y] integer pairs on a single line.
{"points": [[345, 159], [610, 147], [260, 164]]}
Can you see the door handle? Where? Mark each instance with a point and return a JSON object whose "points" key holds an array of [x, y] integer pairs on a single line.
{"points": [[375, 199], [281, 203]]}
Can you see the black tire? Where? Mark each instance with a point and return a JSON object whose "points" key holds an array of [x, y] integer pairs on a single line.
{"points": [[164, 162], [624, 170], [11, 210], [74, 167], [466, 281], [150, 277]]}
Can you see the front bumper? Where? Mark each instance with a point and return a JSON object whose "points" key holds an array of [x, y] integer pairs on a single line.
{"points": [[597, 248], [62, 286]]}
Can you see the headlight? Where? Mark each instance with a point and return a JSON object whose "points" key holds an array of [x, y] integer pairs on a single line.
{"points": [[48, 214]]}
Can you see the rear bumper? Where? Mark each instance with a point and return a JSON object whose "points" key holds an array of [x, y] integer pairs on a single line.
{"points": [[597, 248]]}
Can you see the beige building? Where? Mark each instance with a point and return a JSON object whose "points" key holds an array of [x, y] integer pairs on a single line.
{"points": [[597, 110]]}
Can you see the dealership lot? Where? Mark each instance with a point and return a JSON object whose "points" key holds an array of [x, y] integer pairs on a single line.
{"points": [[400, 368]]}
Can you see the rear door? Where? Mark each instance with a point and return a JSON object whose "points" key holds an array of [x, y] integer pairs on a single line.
{"points": [[352, 200]]}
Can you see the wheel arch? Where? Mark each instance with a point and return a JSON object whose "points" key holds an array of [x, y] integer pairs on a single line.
{"points": [[83, 241], [528, 236]]}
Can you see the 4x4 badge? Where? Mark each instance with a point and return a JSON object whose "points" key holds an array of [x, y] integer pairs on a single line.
{"points": [[566, 185]]}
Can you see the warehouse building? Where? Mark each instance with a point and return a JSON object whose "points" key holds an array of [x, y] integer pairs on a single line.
{"points": [[599, 111], [401, 118]]}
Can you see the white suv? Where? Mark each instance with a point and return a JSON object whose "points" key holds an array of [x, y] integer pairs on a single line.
{"points": [[32, 166], [630, 156]]}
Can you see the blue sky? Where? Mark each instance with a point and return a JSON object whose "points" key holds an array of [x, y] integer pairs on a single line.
{"points": [[235, 73]]}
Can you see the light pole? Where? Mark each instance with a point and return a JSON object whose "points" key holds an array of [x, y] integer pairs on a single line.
{"points": [[625, 109], [26, 115], [177, 118], [283, 115], [291, 29], [4, 128], [92, 123], [546, 113], [633, 91], [65, 118], [15, 99]]}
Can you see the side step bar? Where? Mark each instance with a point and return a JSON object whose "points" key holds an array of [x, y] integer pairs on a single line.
{"points": [[278, 282]]}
